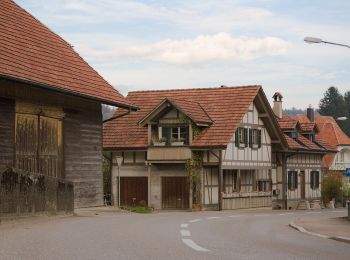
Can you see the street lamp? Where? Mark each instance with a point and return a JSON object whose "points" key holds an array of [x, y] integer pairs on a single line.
{"points": [[119, 160], [318, 40], [342, 118]]}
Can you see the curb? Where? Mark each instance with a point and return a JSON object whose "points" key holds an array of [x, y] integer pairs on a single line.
{"points": [[303, 230]]}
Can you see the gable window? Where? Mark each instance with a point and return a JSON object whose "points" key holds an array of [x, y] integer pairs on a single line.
{"points": [[292, 180], [315, 180], [241, 137], [179, 134], [255, 138]]}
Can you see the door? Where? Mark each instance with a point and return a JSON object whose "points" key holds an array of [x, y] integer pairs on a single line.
{"points": [[133, 191], [211, 186], [175, 193], [302, 184]]}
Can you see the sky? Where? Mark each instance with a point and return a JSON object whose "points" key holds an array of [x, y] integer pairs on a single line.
{"points": [[143, 45]]}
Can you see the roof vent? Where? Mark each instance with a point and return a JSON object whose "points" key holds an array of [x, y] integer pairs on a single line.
{"points": [[277, 104], [223, 86]]}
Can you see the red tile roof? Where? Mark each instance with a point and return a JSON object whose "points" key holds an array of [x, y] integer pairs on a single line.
{"points": [[32, 53], [225, 106], [330, 130], [289, 123]]}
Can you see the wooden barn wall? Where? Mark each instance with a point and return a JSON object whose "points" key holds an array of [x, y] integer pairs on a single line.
{"points": [[82, 136], [83, 156], [7, 129]]}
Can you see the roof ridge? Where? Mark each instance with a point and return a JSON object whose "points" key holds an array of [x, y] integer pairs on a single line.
{"points": [[200, 88]]}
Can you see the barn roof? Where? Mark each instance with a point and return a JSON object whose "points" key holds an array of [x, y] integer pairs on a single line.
{"points": [[32, 53]]}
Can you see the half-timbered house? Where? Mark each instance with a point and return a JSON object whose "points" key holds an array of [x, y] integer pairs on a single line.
{"points": [[299, 169], [50, 105], [233, 129]]}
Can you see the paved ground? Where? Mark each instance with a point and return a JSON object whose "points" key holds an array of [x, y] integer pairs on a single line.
{"points": [[244, 234], [332, 227]]}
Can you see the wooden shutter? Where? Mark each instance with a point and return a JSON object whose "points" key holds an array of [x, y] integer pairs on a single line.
{"points": [[296, 180], [27, 142], [246, 137], [259, 138], [317, 179], [237, 137], [289, 180]]}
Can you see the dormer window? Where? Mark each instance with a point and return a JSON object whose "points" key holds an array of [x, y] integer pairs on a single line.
{"points": [[293, 135], [179, 134]]}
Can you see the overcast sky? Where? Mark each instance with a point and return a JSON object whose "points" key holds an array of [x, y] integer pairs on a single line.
{"points": [[140, 45]]}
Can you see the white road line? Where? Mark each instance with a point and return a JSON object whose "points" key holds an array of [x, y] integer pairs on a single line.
{"points": [[185, 233], [236, 216], [184, 225], [285, 214], [262, 215], [195, 220], [213, 217], [193, 245]]}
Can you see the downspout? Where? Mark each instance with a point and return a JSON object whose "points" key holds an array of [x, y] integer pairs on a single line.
{"points": [[110, 162]]}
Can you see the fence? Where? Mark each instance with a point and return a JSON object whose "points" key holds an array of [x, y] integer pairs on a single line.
{"points": [[23, 193]]}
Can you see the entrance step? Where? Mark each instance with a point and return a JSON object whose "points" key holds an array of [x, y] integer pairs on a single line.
{"points": [[303, 204]]}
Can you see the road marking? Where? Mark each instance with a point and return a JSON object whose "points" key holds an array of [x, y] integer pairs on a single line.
{"points": [[195, 220], [236, 216], [185, 233], [262, 215], [285, 214], [193, 245], [184, 225], [213, 217]]}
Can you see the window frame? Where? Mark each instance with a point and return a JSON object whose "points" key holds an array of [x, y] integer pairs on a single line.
{"points": [[293, 181], [314, 182]]}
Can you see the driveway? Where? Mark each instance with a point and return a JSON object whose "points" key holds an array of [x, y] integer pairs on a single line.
{"points": [[240, 234]]}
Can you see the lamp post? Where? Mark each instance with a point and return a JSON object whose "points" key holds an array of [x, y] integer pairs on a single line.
{"points": [[318, 40], [119, 160], [342, 118]]}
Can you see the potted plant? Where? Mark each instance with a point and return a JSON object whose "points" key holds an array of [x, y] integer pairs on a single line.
{"points": [[177, 142], [159, 141]]}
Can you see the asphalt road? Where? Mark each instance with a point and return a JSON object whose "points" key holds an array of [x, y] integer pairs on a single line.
{"points": [[243, 234]]}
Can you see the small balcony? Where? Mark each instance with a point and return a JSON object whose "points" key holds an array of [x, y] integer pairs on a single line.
{"points": [[169, 153]]}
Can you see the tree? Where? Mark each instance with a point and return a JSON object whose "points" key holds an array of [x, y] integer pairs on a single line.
{"points": [[333, 104], [336, 105]]}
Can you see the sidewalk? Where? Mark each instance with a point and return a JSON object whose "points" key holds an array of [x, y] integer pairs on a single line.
{"points": [[332, 228]]}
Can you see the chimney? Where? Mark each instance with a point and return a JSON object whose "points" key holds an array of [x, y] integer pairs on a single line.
{"points": [[310, 114], [277, 104]]}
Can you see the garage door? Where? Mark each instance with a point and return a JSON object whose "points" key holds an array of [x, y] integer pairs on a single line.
{"points": [[133, 190], [175, 193]]}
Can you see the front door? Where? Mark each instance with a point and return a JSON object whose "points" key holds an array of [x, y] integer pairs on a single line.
{"points": [[302, 184], [175, 193]]}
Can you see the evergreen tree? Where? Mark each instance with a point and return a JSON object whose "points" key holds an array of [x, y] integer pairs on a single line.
{"points": [[336, 105], [333, 104]]}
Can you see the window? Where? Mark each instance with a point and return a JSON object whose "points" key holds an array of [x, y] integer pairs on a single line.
{"points": [[264, 185], [230, 181], [293, 135], [255, 138], [179, 134], [241, 137], [292, 180], [247, 180], [315, 180]]}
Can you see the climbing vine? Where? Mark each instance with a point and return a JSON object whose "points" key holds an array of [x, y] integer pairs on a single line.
{"points": [[193, 170]]}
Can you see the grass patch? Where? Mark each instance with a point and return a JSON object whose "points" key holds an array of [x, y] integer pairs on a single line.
{"points": [[142, 210]]}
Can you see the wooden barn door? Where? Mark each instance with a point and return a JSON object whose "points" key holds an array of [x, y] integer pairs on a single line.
{"points": [[175, 193], [133, 190], [211, 186]]}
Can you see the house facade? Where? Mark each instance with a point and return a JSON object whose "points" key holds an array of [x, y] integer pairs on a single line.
{"points": [[299, 177], [232, 129], [50, 106]]}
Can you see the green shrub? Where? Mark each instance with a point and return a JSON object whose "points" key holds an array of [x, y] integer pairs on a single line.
{"points": [[142, 210], [331, 187]]}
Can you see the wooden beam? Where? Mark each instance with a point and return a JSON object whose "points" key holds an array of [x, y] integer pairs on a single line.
{"points": [[263, 115]]}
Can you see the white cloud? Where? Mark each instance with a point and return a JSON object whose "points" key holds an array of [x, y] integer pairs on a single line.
{"points": [[200, 50]]}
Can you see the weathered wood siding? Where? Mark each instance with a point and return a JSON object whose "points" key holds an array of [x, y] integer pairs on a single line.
{"points": [[7, 129], [83, 156]]}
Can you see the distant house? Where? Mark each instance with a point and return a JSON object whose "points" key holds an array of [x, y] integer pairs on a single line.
{"points": [[233, 130], [50, 105], [302, 171], [330, 131]]}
